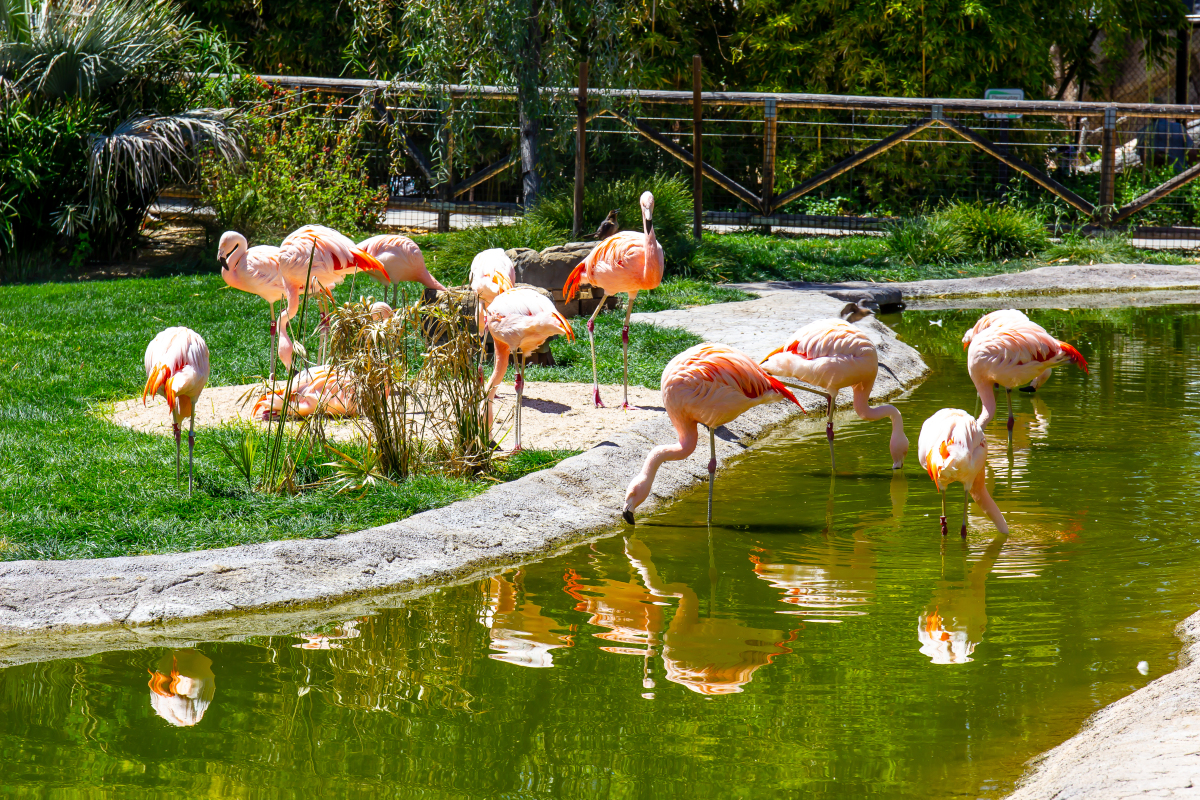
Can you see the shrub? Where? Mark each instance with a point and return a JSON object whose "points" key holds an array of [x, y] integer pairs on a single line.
{"points": [[995, 231], [302, 167], [672, 213], [1112, 248], [924, 240], [449, 257]]}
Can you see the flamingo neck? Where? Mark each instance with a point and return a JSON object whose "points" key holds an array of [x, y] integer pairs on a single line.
{"points": [[980, 493], [285, 344], [639, 488], [652, 247], [502, 351], [987, 396], [899, 442]]}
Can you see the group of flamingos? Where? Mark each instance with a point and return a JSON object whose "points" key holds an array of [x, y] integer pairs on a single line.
{"points": [[710, 384]]}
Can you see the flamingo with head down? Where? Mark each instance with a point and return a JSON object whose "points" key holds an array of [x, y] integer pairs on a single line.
{"points": [[952, 448], [176, 364], [709, 384], [401, 258]]}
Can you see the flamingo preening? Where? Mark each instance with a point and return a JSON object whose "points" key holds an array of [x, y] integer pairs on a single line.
{"points": [[402, 259], [997, 319], [520, 321], [624, 262], [1013, 353], [711, 385], [831, 354], [492, 272], [176, 364], [952, 448], [313, 389]]}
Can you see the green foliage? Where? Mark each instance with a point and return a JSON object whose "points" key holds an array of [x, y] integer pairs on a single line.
{"points": [[687, 292], [449, 256], [994, 231], [302, 167], [1105, 249], [924, 240], [241, 454], [672, 212]]}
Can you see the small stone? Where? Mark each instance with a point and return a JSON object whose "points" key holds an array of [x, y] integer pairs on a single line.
{"points": [[368, 572]]}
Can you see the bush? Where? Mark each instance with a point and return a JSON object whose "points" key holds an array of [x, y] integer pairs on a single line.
{"points": [[923, 240], [449, 256], [302, 167], [996, 232], [672, 213], [1110, 248]]}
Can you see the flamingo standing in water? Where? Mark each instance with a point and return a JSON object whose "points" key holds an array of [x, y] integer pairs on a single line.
{"points": [[624, 262], [711, 385], [832, 354], [996, 319], [520, 321], [402, 259], [492, 272], [176, 364], [952, 448], [1011, 354]]}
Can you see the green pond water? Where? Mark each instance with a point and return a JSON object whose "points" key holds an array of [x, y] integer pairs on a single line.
{"points": [[823, 640]]}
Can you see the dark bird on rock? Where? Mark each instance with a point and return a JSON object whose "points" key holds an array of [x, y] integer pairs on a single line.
{"points": [[853, 312], [607, 228]]}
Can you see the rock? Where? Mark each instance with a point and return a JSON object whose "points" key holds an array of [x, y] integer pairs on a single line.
{"points": [[551, 267]]}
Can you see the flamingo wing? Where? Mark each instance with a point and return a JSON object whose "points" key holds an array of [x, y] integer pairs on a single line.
{"points": [[713, 384], [828, 353], [333, 256]]}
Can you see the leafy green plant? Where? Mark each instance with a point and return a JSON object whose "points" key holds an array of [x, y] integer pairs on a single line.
{"points": [[1110, 248], [449, 255], [924, 240], [351, 474], [302, 166], [242, 456], [994, 231]]}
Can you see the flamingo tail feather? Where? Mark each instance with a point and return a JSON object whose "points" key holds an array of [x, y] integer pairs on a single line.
{"points": [[1074, 355], [571, 286]]}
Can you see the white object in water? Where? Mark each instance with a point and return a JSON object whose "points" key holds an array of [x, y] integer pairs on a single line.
{"points": [[1144, 667], [937, 322]]}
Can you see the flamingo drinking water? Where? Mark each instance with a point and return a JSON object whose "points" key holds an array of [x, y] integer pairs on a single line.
{"points": [[952, 448], [624, 262], [711, 385], [176, 364], [402, 259]]}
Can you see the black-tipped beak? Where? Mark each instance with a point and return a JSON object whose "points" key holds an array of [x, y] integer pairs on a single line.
{"points": [[628, 515], [221, 260]]}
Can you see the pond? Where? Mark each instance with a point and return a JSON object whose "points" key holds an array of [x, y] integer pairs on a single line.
{"points": [[821, 639]]}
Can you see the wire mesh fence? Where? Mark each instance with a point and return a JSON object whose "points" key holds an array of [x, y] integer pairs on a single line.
{"points": [[449, 157]]}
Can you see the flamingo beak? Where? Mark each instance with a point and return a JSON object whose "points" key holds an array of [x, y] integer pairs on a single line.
{"points": [[628, 516], [154, 380], [223, 260]]}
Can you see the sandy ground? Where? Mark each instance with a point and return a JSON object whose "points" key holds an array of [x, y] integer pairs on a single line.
{"points": [[554, 416]]}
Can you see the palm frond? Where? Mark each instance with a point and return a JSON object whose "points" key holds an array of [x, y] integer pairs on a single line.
{"points": [[76, 48]]}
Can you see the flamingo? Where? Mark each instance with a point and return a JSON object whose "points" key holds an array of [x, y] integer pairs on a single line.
{"points": [[996, 319], [492, 272], [709, 384], [176, 363], [1012, 354], [520, 320], [952, 448], [402, 259], [624, 262], [320, 388], [832, 354], [333, 257]]}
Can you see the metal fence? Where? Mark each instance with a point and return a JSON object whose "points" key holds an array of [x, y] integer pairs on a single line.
{"points": [[816, 164]]}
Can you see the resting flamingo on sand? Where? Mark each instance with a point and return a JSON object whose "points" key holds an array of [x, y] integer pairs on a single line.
{"points": [[492, 272], [313, 389], [402, 259], [997, 319], [711, 385], [624, 262], [176, 364], [520, 321], [952, 448], [831, 354], [1013, 354]]}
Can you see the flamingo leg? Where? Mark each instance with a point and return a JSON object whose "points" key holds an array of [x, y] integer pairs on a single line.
{"points": [[591, 326], [176, 427], [520, 387], [943, 512], [191, 448], [712, 468], [1011, 420], [625, 345], [829, 431]]}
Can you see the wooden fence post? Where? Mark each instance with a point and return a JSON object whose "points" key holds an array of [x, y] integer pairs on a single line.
{"points": [[1108, 164], [447, 188], [580, 149], [1182, 37], [697, 151], [770, 118]]}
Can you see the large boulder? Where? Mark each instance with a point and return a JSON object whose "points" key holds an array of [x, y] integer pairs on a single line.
{"points": [[550, 269]]}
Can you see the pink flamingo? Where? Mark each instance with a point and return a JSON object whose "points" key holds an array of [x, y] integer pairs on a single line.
{"points": [[334, 258], [402, 259], [176, 364], [832, 354], [520, 320], [624, 262], [996, 319], [319, 388], [1013, 354], [711, 385], [952, 448], [492, 272]]}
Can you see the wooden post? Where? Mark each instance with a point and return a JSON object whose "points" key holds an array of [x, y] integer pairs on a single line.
{"points": [[447, 188], [770, 118], [1181, 66], [697, 151], [1108, 165], [580, 149]]}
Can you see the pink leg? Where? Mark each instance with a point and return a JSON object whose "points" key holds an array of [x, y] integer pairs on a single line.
{"points": [[519, 385], [177, 446], [625, 346], [591, 328]]}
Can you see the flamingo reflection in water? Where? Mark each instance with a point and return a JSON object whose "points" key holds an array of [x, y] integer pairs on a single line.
{"points": [[1010, 455], [331, 639], [954, 621], [182, 687], [519, 631]]}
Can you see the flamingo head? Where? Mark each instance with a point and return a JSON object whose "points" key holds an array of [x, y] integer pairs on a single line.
{"points": [[647, 203], [231, 248], [899, 448], [635, 495], [967, 337], [381, 311]]}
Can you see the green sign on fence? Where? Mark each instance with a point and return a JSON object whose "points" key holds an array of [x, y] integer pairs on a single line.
{"points": [[1003, 94]]}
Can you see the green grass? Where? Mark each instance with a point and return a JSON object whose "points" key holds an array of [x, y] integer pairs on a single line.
{"points": [[75, 486]]}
